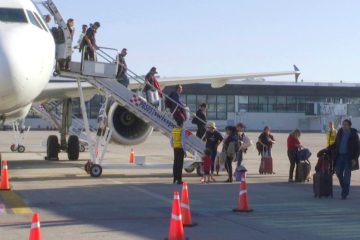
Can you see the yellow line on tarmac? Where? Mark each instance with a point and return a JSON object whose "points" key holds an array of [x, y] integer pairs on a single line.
{"points": [[15, 202]]}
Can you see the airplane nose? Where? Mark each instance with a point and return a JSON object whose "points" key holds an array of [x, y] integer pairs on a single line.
{"points": [[9, 73]]}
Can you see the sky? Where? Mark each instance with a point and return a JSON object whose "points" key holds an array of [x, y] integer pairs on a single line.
{"points": [[211, 37]]}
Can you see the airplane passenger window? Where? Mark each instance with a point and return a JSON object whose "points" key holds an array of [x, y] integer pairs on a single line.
{"points": [[33, 19], [41, 22], [13, 15]]}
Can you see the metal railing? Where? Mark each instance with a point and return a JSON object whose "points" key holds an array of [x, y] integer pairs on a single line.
{"points": [[143, 83]]}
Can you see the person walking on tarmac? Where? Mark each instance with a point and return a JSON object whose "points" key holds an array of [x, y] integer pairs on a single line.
{"points": [[293, 144], [212, 140], [244, 143], [178, 143], [231, 147], [200, 120], [347, 155], [331, 134]]}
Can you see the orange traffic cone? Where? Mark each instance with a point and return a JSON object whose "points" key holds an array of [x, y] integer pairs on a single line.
{"points": [[35, 231], [185, 207], [4, 185], [243, 205], [132, 156], [176, 230]]}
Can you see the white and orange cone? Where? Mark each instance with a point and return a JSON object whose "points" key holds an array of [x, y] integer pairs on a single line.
{"points": [[243, 205], [4, 185], [185, 207], [176, 230], [35, 231]]}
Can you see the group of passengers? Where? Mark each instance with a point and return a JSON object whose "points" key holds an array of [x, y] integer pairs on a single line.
{"points": [[343, 146]]}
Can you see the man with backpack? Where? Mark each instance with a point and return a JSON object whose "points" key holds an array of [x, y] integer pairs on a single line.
{"points": [[176, 106]]}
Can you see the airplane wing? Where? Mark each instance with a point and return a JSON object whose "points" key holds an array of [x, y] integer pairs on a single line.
{"points": [[59, 88], [219, 81], [62, 88]]}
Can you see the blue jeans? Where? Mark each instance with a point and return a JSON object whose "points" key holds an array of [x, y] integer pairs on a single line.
{"points": [[213, 157], [343, 172], [123, 79]]}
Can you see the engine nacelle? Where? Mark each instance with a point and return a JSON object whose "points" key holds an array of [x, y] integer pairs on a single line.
{"points": [[127, 128]]}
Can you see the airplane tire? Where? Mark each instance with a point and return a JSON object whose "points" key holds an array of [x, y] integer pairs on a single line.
{"points": [[52, 148], [199, 170], [190, 169], [82, 148], [13, 148], [73, 148], [96, 170], [21, 149]]}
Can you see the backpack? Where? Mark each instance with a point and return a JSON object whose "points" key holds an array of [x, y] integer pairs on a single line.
{"points": [[58, 35]]}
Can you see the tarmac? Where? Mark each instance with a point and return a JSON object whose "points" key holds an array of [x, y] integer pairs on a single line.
{"points": [[135, 203]]}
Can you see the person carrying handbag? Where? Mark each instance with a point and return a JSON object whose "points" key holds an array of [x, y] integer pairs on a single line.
{"points": [[231, 147]]}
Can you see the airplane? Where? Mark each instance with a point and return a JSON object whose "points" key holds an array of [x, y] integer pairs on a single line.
{"points": [[27, 63]]}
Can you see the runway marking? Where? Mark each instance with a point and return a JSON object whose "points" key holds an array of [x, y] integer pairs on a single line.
{"points": [[15, 202]]}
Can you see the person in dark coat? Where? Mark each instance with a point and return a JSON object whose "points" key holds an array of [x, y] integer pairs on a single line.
{"points": [[230, 147], [122, 68], [346, 155], [177, 107], [200, 121], [266, 139], [212, 140]]}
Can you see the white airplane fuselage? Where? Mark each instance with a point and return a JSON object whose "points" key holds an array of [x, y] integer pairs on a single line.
{"points": [[27, 55]]}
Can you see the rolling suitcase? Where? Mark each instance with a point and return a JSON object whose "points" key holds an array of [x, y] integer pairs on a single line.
{"points": [[323, 182], [323, 185], [303, 169], [266, 164]]}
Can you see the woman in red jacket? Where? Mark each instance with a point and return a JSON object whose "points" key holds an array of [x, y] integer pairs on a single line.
{"points": [[293, 144]]}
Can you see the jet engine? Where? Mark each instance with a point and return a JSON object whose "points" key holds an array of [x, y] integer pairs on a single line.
{"points": [[128, 129]]}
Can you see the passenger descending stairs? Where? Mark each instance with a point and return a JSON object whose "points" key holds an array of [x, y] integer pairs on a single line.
{"points": [[139, 107]]}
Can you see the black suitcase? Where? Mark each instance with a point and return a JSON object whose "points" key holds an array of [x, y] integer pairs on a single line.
{"points": [[323, 184], [303, 169]]}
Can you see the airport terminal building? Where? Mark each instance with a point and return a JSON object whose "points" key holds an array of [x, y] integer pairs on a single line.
{"points": [[282, 105]]}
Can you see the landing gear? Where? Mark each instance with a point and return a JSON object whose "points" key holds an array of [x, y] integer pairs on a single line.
{"points": [[73, 148], [52, 148], [20, 134], [96, 170], [17, 148]]}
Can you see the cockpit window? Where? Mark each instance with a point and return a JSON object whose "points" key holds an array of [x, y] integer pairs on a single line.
{"points": [[33, 19], [41, 22], [12, 15]]}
